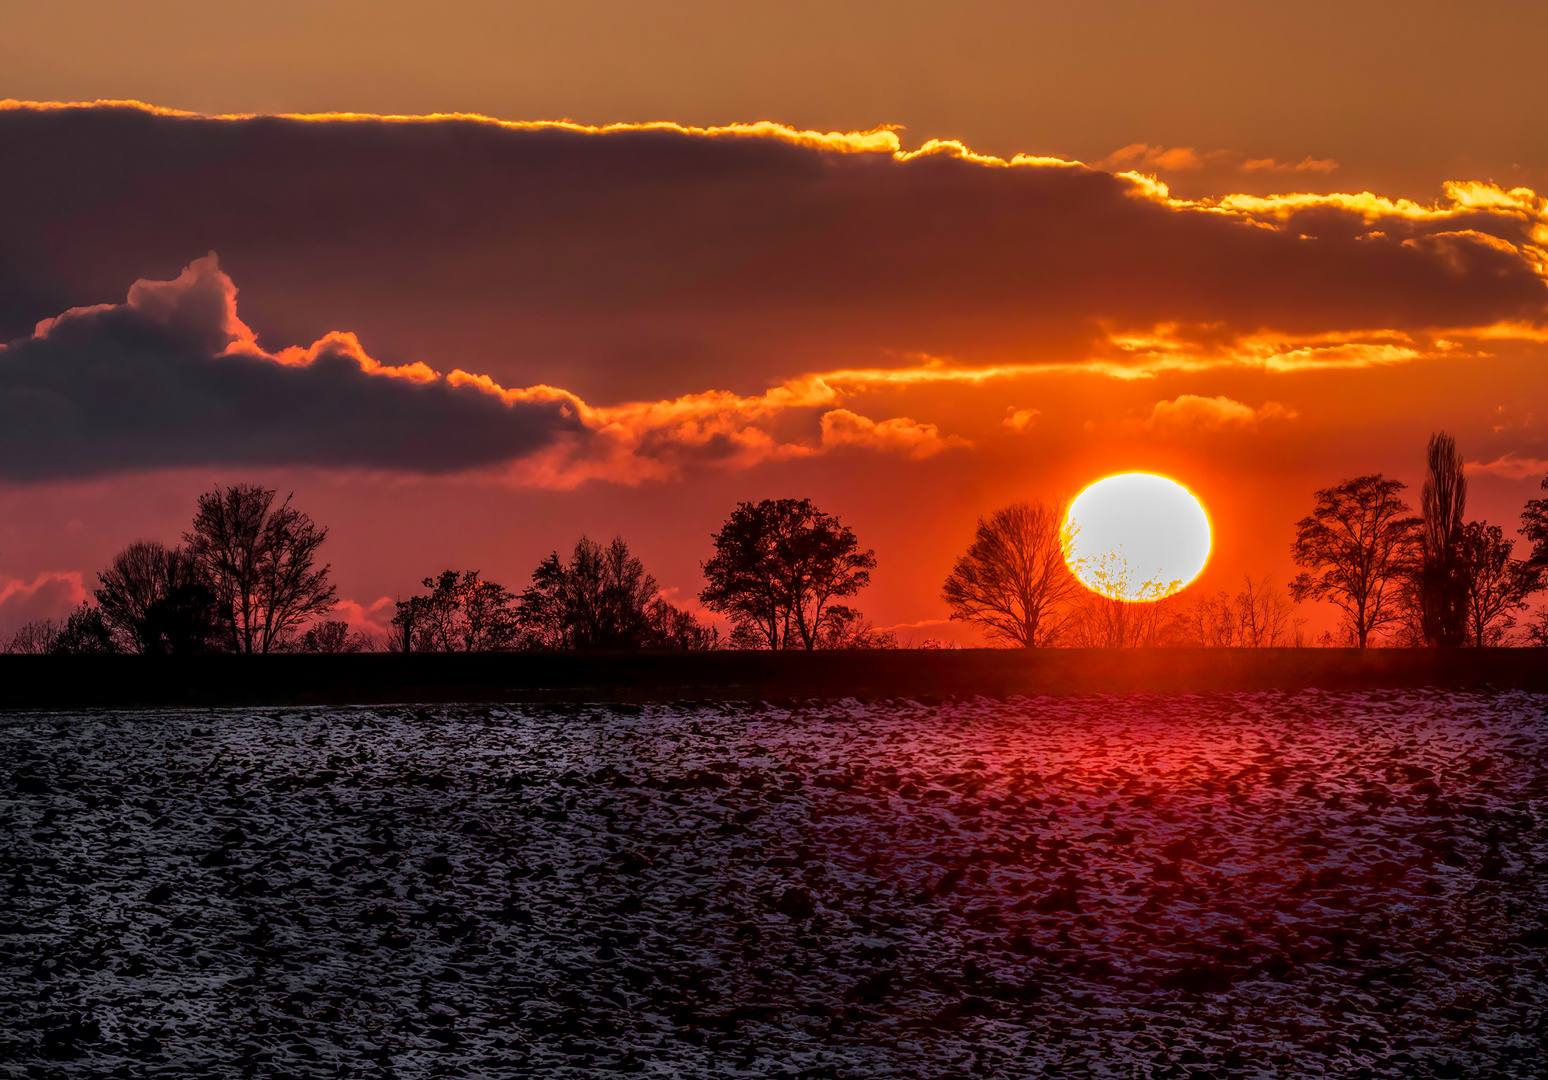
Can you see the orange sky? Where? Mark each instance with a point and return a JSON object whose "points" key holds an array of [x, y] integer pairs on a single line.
{"points": [[525, 333], [1402, 95]]}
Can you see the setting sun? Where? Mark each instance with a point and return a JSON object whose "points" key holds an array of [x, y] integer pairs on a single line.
{"points": [[1137, 536]]}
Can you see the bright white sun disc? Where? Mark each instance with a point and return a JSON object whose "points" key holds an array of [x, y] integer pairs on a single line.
{"points": [[1137, 536]]}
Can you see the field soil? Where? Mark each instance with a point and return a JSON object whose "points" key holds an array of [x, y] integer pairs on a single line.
{"points": [[1162, 886]]}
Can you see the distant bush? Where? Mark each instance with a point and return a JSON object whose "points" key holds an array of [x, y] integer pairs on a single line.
{"points": [[331, 637]]}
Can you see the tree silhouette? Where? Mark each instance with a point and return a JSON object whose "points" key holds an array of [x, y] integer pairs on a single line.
{"points": [[778, 566], [85, 633], [1356, 546], [1440, 580], [157, 600], [845, 628], [603, 598], [462, 613], [35, 638], [1258, 617], [1264, 615], [1014, 574], [1497, 586], [1115, 612], [1534, 527], [673, 628], [331, 636], [408, 623], [260, 562]]}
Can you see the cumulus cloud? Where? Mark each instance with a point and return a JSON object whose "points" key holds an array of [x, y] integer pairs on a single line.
{"points": [[641, 262], [901, 435], [373, 619], [174, 377], [49, 595], [1510, 466], [1190, 412], [1020, 419]]}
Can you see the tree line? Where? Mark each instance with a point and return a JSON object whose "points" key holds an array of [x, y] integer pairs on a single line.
{"points": [[1431, 579], [1434, 578], [1015, 583], [246, 578]]}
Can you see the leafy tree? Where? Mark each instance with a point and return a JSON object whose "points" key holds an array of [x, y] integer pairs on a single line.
{"points": [[260, 561], [1357, 546], [1497, 585], [1014, 574], [85, 633], [1534, 527], [1440, 576], [462, 613], [157, 600], [411, 626], [599, 599], [777, 568], [673, 628]]}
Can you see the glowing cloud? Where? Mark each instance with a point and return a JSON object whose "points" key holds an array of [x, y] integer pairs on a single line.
{"points": [[1510, 466], [1193, 412], [642, 261], [899, 435], [174, 377]]}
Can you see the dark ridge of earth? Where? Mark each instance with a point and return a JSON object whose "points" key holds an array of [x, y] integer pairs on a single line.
{"points": [[1151, 886]]}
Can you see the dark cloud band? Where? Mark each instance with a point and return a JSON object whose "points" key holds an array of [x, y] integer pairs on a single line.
{"points": [[173, 378], [643, 263]]}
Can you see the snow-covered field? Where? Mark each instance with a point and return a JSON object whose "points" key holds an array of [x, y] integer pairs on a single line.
{"points": [[1286, 885]]}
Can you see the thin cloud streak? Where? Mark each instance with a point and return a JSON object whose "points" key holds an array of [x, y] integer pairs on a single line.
{"points": [[1510, 466]]}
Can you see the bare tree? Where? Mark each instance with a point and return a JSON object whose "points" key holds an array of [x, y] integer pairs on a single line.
{"points": [[846, 628], [778, 566], [260, 561], [1264, 616], [1114, 611], [35, 638], [462, 613], [1537, 629], [156, 599], [1356, 546], [1014, 574], [1440, 579], [1210, 621], [603, 598], [1497, 585]]}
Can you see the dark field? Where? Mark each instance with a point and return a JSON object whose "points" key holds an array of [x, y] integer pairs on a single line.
{"points": [[1248, 885]]}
